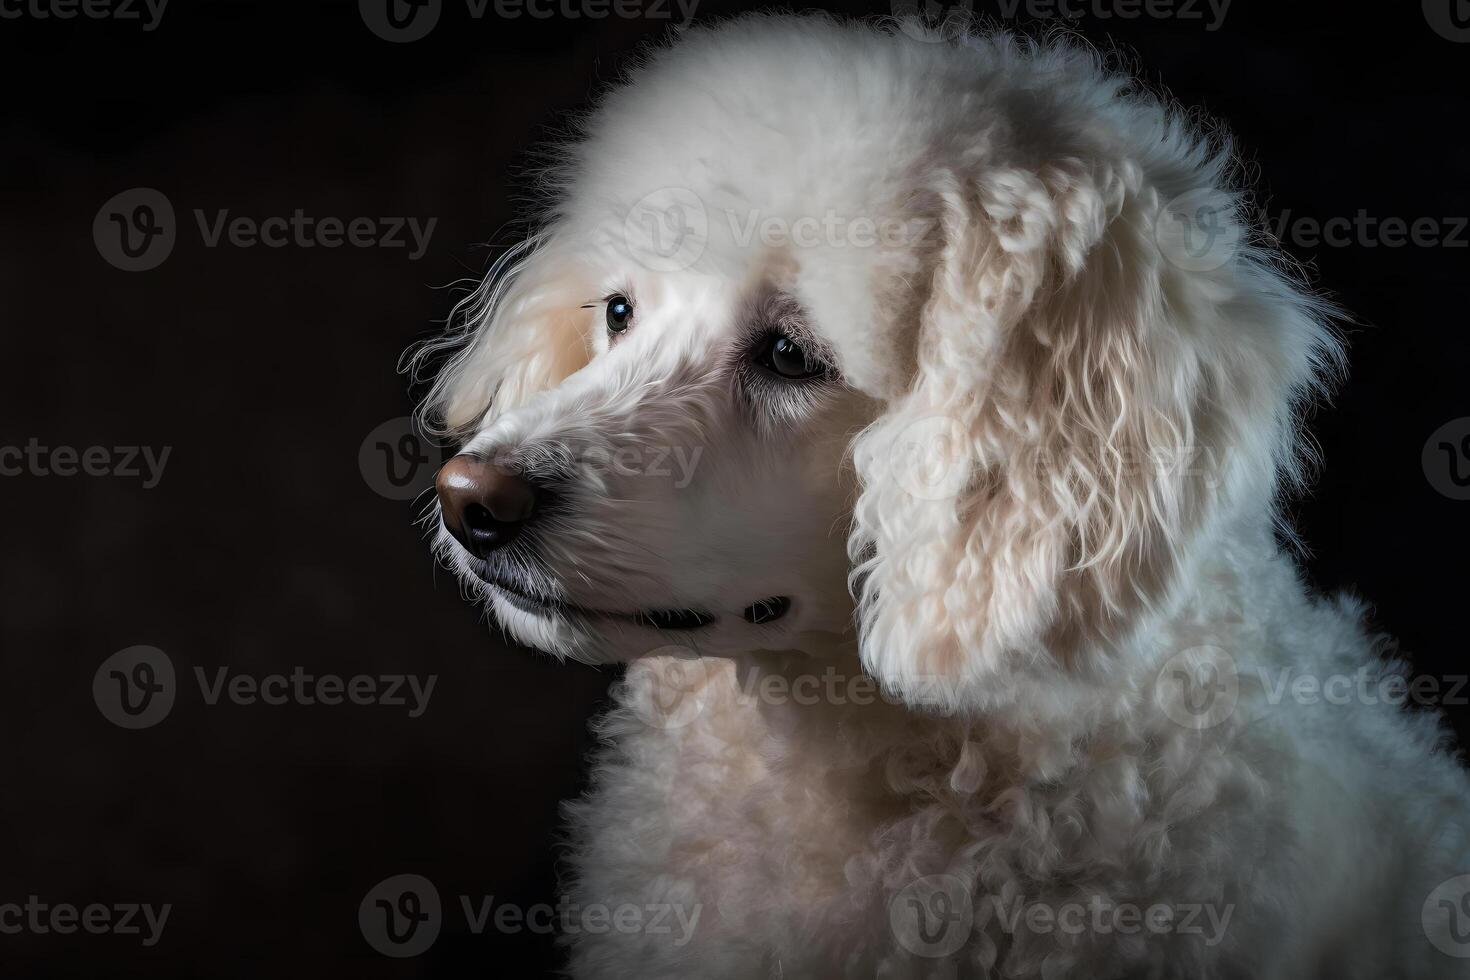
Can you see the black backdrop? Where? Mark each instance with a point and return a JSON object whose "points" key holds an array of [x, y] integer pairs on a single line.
{"points": [[267, 545]]}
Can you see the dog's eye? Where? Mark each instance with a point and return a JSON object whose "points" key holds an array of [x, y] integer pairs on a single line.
{"points": [[619, 313], [786, 357]]}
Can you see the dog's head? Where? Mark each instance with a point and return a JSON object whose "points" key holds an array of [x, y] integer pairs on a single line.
{"points": [[955, 342]]}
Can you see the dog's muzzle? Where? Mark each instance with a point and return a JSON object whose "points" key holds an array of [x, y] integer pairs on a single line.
{"points": [[484, 507]]}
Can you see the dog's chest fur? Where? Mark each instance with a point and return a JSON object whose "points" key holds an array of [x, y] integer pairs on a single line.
{"points": [[788, 821], [796, 827]]}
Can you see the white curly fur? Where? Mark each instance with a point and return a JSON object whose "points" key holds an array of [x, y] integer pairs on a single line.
{"points": [[1048, 474]]}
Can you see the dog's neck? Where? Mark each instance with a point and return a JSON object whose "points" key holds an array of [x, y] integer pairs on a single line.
{"points": [[819, 699]]}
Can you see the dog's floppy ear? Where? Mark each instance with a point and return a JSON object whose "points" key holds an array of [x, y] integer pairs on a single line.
{"points": [[1091, 396], [518, 333]]}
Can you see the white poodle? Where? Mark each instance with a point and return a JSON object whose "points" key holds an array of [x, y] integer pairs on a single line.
{"points": [[908, 407]]}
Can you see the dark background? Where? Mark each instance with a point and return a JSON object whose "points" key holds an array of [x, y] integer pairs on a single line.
{"points": [[264, 547]]}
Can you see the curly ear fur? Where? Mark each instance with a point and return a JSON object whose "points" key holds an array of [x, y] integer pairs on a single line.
{"points": [[1103, 408], [518, 333]]}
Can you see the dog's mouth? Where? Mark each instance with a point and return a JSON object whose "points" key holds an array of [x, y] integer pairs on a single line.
{"points": [[539, 604]]}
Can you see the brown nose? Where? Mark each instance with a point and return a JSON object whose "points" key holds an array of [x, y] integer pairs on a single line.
{"points": [[483, 506]]}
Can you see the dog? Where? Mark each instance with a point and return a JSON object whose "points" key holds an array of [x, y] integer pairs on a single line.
{"points": [[908, 407]]}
